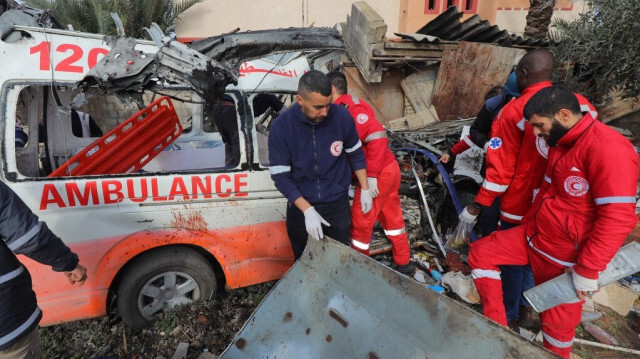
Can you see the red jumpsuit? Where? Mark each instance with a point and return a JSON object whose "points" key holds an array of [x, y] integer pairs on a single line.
{"points": [[381, 164], [516, 158], [584, 212]]}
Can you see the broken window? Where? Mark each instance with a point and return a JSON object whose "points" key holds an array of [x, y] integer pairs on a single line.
{"points": [[266, 108], [47, 135]]}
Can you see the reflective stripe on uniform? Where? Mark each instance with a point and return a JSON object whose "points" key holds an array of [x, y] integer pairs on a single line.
{"points": [[469, 142], [615, 199], [494, 186], [485, 273], [360, 245], [586, 108], [274, 170], [9, 276], [521, 124], [355, 100], [24, 239], [375, 136], [358, 145], [553, 259], [547, 179], [511, 216], [394, 232], [21, 329], [557, 343]]}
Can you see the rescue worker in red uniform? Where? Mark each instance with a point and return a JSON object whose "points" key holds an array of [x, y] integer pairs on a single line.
{"points": [[516, 160], [580, 218], [383, 176]]}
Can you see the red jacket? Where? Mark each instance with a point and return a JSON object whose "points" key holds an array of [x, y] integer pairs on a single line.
{"points": [[372, 135], [516, 158], [586, 207]]}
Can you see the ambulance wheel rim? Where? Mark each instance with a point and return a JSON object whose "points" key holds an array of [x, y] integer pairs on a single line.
{"points": [[166, 291]]}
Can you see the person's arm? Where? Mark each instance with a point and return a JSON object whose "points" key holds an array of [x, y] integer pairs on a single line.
{"points": [[24, 234], [280, 163], [353, 146], [507, 133], [481, 127], [612, 174], [545, 185]]}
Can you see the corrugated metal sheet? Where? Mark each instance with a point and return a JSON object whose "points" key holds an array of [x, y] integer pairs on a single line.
{"points": [[447, 26]]}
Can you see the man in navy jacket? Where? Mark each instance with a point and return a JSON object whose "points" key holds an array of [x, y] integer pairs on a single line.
{"points": [[22, 233], [313, 148]]}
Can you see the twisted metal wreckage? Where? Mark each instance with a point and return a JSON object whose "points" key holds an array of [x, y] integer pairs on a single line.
{"points": [[209, 65]]}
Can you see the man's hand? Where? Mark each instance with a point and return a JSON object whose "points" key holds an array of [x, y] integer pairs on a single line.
{"points": [[313, 221], [78, 275], [469, 213], [445, 158], [366, 200], [585, 287], [373, 186]]}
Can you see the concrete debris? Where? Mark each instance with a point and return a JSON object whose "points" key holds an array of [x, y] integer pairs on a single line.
{"points": [[616, 297], [181, 351], [462, 285], [600, 334]]}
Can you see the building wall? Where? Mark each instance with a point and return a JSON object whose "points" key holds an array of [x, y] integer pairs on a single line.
{"points": [[513, 16], [214, 17]]}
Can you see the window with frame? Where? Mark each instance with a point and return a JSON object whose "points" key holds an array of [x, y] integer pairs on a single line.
{"points": [[432, 6], [469, 6]]}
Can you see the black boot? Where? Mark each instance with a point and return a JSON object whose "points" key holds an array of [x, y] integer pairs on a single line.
{"points": [[526, 317]]}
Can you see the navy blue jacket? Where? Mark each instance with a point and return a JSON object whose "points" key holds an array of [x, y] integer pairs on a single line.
{"points": [[314, 160], [22, 233]]}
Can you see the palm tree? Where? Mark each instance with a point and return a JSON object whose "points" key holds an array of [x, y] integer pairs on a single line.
{"points": [[539, 18], [95, 15]]}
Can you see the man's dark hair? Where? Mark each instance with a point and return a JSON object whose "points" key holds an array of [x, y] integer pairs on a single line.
{"points": [[314, 81], [548, 101], [339, 81]]}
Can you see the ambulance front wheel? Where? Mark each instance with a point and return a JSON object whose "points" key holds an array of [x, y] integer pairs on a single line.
{"points": [[161, 280]]}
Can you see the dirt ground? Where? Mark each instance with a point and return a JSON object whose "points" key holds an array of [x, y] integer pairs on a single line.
{"points": [[204, 325]]}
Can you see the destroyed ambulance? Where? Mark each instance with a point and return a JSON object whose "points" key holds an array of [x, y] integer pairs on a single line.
{"points": [[156, 216]]}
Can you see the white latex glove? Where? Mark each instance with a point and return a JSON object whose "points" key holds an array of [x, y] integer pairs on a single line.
{"points": [[373, 186], [366, 200], [313, 221], [584, 284], [466, 217]]}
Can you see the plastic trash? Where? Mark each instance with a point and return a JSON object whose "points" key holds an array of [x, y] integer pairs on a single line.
{"points": [[436, 288], [462, 285], [437, 276]]}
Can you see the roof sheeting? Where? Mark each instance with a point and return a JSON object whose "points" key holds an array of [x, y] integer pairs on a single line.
{"points": [[447, 26]]}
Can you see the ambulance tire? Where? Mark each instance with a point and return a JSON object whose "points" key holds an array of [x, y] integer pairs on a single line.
{"points": [[142, 286]]}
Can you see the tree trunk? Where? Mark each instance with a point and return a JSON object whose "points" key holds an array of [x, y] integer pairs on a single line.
{"points": [[539, 18]]}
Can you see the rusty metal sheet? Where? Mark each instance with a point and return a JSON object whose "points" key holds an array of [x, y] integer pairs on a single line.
{"points": [[386, 97], [466, 74], [338, 303]]}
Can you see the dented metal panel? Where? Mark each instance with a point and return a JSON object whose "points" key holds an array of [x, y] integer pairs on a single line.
{"points": [[233, 49], [337, 303]]}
